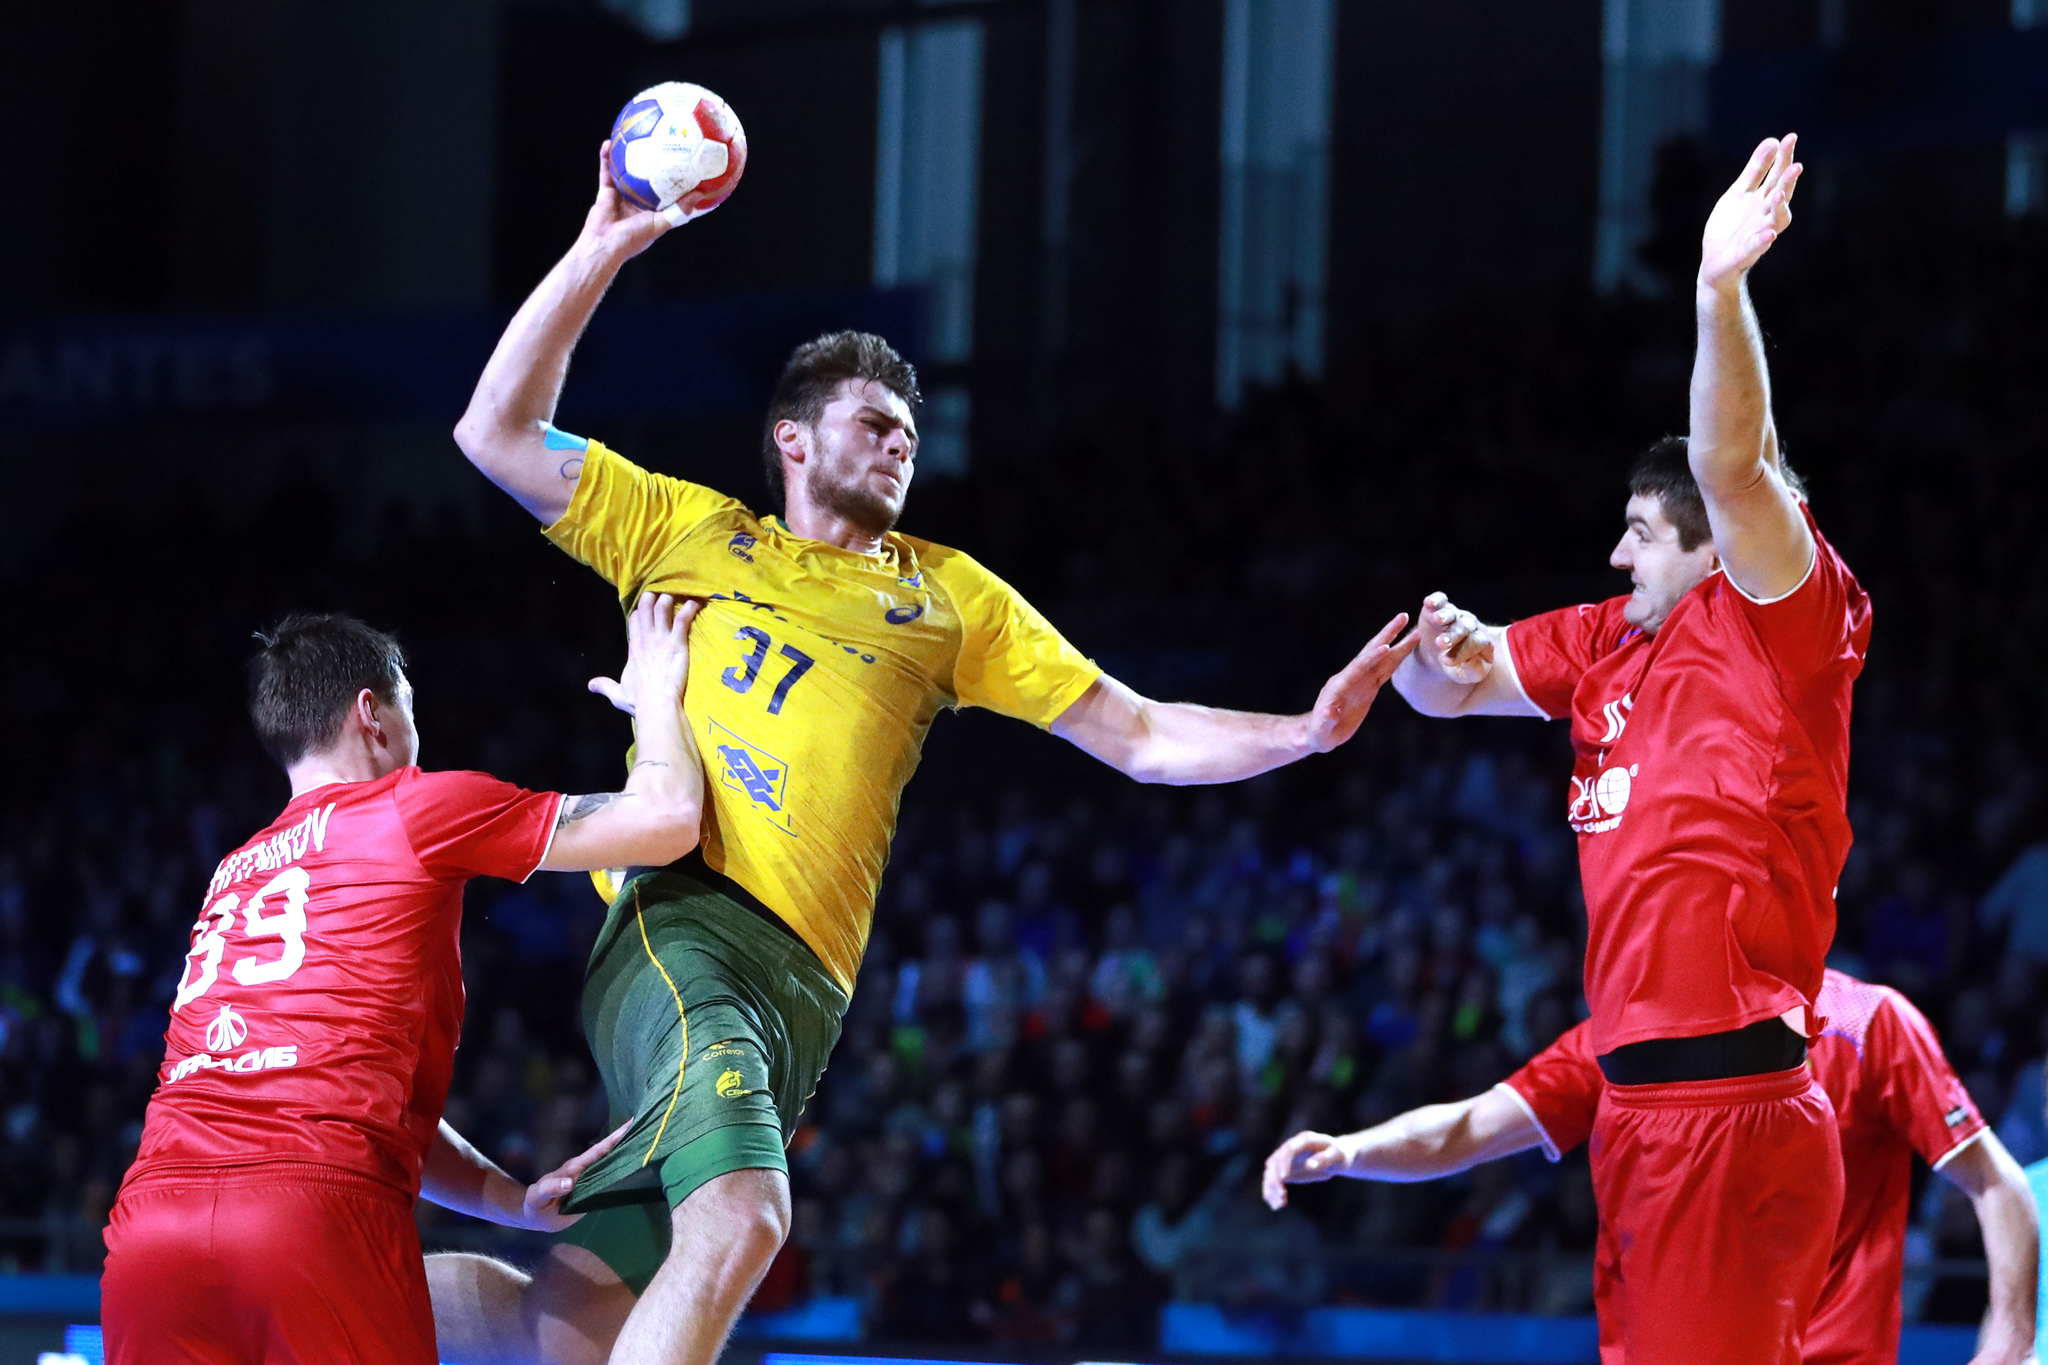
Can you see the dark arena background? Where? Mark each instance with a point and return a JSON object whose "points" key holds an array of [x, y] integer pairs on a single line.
{"points": [[1243, 325]]}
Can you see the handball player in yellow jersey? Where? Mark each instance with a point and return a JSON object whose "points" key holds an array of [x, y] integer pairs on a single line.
{"points": [[826, 644]]}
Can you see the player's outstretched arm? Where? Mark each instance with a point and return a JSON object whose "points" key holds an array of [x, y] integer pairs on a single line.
{"points": [[1460, 667], [506, 430], [457, 1176], [655, 819], [1997, 1186], [1422, 1144], [1759, 533], [1187, 745]]}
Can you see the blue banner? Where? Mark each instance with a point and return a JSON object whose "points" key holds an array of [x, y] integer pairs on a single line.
{"points": [[637, 360]]}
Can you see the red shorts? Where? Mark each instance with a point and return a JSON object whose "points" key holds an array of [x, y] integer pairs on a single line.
{"points": [[1718, 1205], [254, 1265]]}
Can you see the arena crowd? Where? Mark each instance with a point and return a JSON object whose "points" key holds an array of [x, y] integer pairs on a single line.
{"points": [[1088, 1008]]}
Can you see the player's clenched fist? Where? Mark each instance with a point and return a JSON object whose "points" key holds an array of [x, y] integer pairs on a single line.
{"points": [[1451, 642], [657, 654], [1301, 1160]]}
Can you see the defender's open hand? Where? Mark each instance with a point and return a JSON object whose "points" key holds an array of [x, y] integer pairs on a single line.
{"points": [[1347, 697], [1751, 215], [657, 654]]}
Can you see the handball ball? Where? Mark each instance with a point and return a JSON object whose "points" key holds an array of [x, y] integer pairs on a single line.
{"points": [[677, 149]]}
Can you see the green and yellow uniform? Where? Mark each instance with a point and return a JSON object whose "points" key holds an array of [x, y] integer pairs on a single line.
{"points": [[814, 674]]}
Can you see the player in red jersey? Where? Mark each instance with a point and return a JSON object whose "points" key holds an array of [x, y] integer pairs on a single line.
{"points": [[1710, 721], [1894, 1094], [268, 1215]]}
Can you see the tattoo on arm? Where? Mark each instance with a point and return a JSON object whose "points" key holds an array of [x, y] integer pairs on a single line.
{"points": [[572, 468], [583, 807], [650, 763]]}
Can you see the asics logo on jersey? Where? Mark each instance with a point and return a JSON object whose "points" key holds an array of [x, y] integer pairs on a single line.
{"points": [[1617, 718], [228, 1030]]}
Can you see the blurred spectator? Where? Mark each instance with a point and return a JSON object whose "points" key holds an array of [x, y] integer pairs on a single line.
{"points": [[2016, 906]]}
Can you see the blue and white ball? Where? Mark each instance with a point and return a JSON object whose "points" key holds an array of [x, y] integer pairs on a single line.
{"points": [[677, 149]]}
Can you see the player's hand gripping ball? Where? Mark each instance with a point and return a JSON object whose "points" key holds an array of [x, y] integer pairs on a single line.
{"points": [[678, 150]]}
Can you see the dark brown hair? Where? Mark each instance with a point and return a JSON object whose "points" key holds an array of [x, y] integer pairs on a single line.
{"points": [[1664, 472], [812, 378], [308, 674]]}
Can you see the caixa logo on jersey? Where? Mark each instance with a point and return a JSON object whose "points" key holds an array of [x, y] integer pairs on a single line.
{"points": [[225, 1032], [1598, 801]]}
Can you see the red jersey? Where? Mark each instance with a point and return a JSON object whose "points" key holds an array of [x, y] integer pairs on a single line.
{"points": [[1894, 1094], [1708, 794], [321, 1001]]}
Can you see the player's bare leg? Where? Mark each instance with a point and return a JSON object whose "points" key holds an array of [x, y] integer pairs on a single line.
{"points": [[567, 1312], [723, 1238]]}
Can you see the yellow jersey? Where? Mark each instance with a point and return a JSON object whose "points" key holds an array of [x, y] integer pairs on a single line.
{"points": [[815, 672]]}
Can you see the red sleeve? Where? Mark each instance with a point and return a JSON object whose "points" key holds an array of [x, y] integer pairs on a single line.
{"points": [[473, 825], [1551, 651], [1823, 622], [1920, 1093], [1560, 1088]]}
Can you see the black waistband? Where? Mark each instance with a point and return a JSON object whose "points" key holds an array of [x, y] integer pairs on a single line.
{"points": [[1767, 1045], [693, 866]]}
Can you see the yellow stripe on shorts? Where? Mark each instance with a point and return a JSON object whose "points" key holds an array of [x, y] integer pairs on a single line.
{"points": [[683, 1057]]}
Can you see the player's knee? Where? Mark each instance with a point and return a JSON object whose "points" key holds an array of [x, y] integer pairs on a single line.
{"points": [[752, 1211], [761, 1227]]}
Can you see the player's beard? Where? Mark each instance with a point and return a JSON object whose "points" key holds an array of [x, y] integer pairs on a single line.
{"points": [[858, 503]]}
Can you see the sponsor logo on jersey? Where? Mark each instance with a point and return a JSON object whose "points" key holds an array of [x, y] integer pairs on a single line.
{"points": [[229, 1030], [255, 1059], [903, 616], [1957, 1116], [730, 1086], [740, 544], [1616, 713], [750, 771], [1597, 802]]}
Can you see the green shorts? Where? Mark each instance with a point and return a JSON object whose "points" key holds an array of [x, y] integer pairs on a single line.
{"points": [[710, 1026]]}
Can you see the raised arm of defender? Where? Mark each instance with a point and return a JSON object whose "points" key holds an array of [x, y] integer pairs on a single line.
{"points": [[1762, 539], [1182, 744], [507, 431]]}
